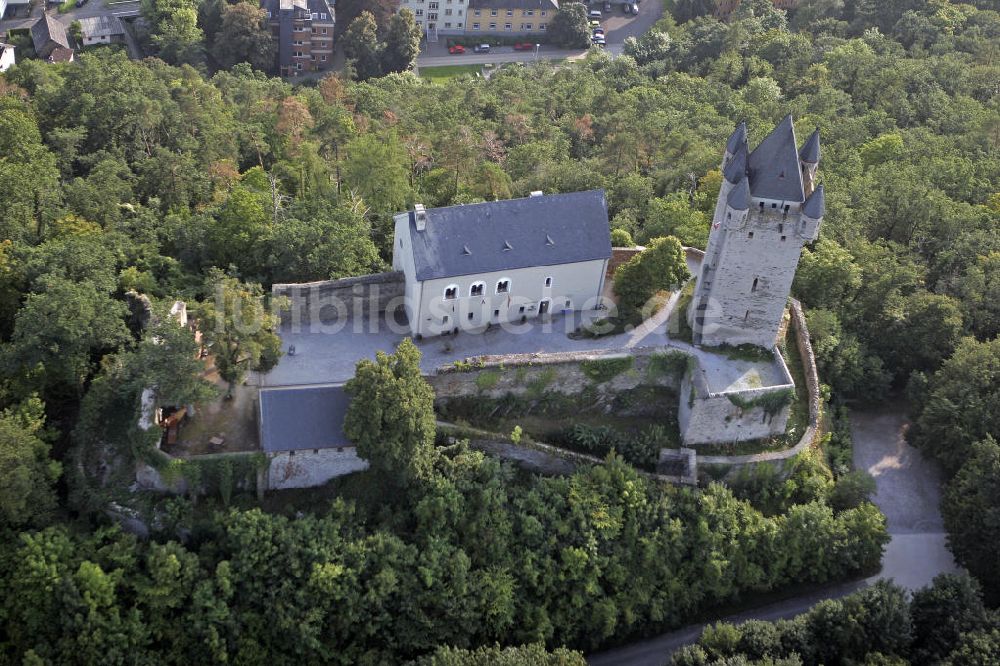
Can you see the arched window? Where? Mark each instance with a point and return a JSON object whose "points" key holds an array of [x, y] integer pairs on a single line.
{"points": [[548, 282], [451, 292], [477, 289], [503, 286]]}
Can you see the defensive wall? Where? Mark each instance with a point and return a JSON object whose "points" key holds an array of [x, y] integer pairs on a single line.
{"points": [[328, 300]]}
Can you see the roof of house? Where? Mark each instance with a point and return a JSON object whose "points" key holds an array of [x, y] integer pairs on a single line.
{"points": [[47, 29], [517, 233], [774, 165], [815, 205], [59, 54], [101, 26], [514, 4], [303, 417], [737, 138]]}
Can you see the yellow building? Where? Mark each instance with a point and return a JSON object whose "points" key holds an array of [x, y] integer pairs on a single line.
{"points": [[509, 17]]}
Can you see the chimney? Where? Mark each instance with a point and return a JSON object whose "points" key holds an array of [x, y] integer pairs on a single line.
{"points": [[420, 216], [536, 193]]}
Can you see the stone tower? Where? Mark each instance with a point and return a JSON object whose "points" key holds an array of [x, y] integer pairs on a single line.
{"points": [[769, 206]]}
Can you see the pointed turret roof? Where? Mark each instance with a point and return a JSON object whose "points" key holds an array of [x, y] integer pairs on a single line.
{"points": [[736, 170], [774, 165], [810, 151], [815, 205], [737, 138], [739, 196]]}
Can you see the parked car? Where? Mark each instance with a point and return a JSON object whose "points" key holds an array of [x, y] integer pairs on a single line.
{"points": [[635, 8], [595, 24], [524, 46], [81, 3], [598, 40], [595, 14], [456, 49], [482, 48], [597, 31]]}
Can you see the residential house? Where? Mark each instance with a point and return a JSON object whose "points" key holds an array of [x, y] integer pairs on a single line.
{"points": [[101, 30], [50, 40], [498, 262], [6, 57], [303, 32], [433, 17], [302, 434], [510, 17]]}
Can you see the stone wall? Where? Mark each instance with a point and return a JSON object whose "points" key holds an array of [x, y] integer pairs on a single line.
{"points": [[713, 418], [621, 255], [327, 301], [311, 467], [564, 372]]}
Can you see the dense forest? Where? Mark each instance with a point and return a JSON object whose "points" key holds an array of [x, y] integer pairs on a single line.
{"points": [[123, 179]]}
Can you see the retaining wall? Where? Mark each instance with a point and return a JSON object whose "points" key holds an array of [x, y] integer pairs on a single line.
{"points": [[621, 255], [564, 372], [329, 300]]}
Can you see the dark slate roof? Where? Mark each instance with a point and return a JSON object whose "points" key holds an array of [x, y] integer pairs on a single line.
{"points": [[774, 165], [815, 205], [737, 138], [739, 196], [516, 233], [514, 4], [48, 29], [736, 170], [810, 151], [307, 417]]}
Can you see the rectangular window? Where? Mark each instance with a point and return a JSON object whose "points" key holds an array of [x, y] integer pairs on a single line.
{"points": [[458, 25], [496, 314], [447, 25], [479, 12], [419, 12], [541, 26], [493, 26], [471, 315], [322, 16], [527, 26], [750, 234], [783, 238], [493, 12], [544, 13], [521, 309], [432, 16], [432, 5], [510, 12], [503, 286], [475, 26], [447, 12], [506, 26]]}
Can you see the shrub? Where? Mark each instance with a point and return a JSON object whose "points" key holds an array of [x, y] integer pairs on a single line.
{"points": [[602, 370], [487, 379], [621, 238]]}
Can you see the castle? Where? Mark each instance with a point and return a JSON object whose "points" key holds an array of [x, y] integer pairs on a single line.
{"points": [[768, 207]]}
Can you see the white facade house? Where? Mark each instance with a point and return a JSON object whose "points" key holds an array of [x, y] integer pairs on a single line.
{"points": [[502, 262], [101, 30], [769, 207], [6, 56], [13, 5]]}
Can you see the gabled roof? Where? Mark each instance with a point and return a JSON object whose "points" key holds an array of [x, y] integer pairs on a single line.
{"points": [[739, 196], [517, 233], [815, 205], [774, 165], [101, 26], [810, 151], [303, 417], [48, 29]]}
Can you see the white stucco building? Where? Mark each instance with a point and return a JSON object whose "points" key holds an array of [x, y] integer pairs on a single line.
{"points": [[474, 265], [769, 207]]}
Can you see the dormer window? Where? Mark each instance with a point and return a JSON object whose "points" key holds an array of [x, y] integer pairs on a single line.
{"points": [[507, 247], [503, 286], [548, 240], [451, 292]]}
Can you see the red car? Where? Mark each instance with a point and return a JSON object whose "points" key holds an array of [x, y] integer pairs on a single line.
{"points": [[457, 49], [524, 46]]}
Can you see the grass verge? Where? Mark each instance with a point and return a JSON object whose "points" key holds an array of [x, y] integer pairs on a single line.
{"points": [[447, 72]]}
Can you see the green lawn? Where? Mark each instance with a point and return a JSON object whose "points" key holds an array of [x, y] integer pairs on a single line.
{"points": [[446, 72]]}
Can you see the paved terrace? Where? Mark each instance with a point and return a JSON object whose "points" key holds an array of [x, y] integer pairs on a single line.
{"points": [[329, 356]]}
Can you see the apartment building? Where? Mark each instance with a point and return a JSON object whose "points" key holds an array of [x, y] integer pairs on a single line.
{"points": [[510, 17], [303, 31], [434, 17]]}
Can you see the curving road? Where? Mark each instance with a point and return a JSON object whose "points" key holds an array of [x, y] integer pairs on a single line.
{"points": [[907, 492]]}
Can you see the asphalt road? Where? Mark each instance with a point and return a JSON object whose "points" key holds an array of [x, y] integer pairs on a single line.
{"points": [[907, 492], [616, 24]]}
